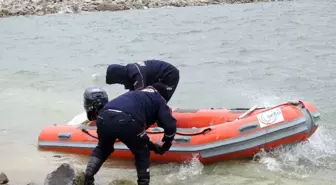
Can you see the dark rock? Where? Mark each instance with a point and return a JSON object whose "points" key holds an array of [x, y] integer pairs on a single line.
{"points": [[76, 9], [3, 178], [64, 175], [108, 7], [57, 156], [4, 12], [79, 179], [122, 182]]}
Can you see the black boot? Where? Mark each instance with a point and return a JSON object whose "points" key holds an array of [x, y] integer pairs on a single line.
{"points": [[92, 168], [88, 180], [143, 177]]}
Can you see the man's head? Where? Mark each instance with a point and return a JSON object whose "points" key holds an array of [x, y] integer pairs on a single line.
{"points": [[162, 89], [116, 73], [95, 99]]}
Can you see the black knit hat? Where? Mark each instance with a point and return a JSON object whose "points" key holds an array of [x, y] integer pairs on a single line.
{"points": [[162, 89]]}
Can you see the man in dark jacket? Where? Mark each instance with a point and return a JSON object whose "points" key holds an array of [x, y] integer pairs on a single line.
{"points": [[142, 74], [126, 118]]}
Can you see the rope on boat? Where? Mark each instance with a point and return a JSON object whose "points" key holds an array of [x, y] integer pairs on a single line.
{"points": [[178, 133]]}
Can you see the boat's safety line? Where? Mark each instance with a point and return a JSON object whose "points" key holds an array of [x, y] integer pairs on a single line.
{"points": [[204, 131], [209, 128]]}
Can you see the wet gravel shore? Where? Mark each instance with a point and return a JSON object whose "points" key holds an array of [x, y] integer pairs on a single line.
{"points": [[43, 7]]}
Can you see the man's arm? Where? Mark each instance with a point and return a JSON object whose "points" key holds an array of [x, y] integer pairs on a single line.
{"points": [[167, 122], [138, 75]]}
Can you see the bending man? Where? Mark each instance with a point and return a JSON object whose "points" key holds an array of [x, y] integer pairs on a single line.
{"points": [[142, 74], [126, 118]]}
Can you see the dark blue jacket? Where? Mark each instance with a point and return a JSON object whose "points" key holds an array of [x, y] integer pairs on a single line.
{"points": [[140, 74], [146, 106]]}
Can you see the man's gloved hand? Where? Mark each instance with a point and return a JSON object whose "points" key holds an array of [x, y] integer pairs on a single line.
{"points": [[154, 147], [166, 146], [167, 142], [168, 138]]}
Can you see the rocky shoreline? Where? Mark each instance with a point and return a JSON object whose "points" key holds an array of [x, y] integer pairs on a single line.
{"points": [[65, 174], [43, 7]]}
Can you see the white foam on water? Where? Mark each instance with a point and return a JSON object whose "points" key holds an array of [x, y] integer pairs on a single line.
{"points": [[301, 160], [187, 171]]}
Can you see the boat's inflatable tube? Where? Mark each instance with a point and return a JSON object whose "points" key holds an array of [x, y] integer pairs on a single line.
{"points": [[239, 135]]}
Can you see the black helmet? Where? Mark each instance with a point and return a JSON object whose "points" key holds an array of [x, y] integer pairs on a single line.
{"points": [[95, 99]]}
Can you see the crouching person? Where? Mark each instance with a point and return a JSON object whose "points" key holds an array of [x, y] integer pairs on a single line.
{"points": [[126, 118]]}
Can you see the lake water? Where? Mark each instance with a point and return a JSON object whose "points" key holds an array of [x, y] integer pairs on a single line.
{"points": [[234, 55]]}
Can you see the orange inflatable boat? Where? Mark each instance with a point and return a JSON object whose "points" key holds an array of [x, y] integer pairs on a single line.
{"points": [[209, 134]]}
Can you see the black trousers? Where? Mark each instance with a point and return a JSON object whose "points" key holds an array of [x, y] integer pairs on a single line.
{"points": [[171, 81], [112, 125]]}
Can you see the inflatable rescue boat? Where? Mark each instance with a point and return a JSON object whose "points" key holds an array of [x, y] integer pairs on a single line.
{"points": [[209, 134]]}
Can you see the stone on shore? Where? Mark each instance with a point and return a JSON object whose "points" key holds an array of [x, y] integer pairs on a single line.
{"points": [[3, 178], [79, 179], [122, 182], [64, 174]]}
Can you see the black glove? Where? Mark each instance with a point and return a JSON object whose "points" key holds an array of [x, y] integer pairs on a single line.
{"points": [[154, 147], [168, 139], [166, 146], [167, 143]]}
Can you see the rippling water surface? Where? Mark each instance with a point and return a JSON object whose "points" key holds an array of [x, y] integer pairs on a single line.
{"points": [[228, 55]]}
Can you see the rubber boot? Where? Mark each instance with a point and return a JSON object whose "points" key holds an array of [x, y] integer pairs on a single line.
{"points": [[143, 177], [88, 180], [92, 168]]}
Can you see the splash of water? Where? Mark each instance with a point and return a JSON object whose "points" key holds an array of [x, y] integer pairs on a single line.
{"points": [[304, 158], [187, 171]]}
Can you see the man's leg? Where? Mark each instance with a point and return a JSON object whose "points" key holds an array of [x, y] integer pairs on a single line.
{"points": [[103, 149], [135, 138], [141, 154], [142, 164]]}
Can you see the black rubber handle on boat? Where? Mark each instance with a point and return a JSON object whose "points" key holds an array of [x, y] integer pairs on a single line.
{"points": [[178, 133], [248, 127]]}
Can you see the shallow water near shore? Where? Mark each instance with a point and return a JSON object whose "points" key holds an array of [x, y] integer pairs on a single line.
{"points": [[234, 55]]}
